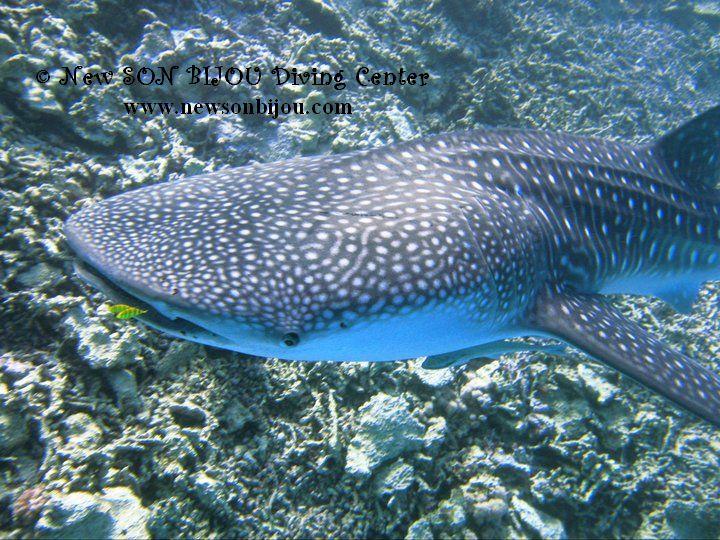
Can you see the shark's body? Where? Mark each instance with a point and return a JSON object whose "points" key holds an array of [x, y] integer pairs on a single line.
{"points": [[426, 247]]}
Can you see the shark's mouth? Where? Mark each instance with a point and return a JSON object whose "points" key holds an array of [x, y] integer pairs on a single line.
{"points": [[178, 327]]}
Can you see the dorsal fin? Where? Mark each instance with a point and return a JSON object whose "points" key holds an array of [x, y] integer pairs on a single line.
{"points": [[692, 151]]}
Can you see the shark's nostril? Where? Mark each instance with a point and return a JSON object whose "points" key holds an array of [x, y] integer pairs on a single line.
{"points": [[74, 235]]}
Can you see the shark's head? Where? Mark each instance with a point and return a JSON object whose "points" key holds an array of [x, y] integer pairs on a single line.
{"points": [[196, 274], [265, 267]]}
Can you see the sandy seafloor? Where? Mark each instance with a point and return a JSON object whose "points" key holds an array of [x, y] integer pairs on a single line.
{"points": [[110, 429]]}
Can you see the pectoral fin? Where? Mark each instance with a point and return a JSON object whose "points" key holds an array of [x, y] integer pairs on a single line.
{"points": [[493, 350], [592, 325]]}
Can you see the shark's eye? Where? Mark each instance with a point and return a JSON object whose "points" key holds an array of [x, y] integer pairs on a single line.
{"points": [[291, 339]]}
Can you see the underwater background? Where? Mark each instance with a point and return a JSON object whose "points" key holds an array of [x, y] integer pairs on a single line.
{"points": [[109, 429]]}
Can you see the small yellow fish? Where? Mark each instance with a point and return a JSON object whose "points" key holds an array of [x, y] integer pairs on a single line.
{"points": [[123, 311]]}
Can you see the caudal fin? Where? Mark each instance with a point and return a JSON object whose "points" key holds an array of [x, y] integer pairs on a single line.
{"points": [[692, 151]]}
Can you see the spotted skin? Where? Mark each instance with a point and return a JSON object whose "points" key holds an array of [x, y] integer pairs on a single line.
{"points": [[415, 249]]}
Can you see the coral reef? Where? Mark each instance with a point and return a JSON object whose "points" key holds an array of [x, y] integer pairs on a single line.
{"points": [[109, 427]]}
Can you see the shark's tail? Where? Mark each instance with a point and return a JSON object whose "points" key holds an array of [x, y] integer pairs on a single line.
{"points": [[692, 151]]}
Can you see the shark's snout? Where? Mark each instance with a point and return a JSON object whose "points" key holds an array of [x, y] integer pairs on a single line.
{"points": [[83, 240], [107, 260], [78, 238], [106, 238]]}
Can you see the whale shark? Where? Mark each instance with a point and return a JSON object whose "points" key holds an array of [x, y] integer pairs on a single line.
{"points": [[448, 247]]}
